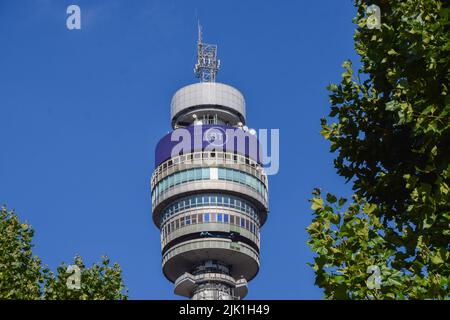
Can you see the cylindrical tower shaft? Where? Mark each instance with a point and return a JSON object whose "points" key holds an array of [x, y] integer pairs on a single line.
{"points": [[209, 191]]}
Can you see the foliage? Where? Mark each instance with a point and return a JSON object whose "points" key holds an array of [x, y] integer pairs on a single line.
{"points": [[99, 282], [348, 241], [22, 275], [390, 128]]}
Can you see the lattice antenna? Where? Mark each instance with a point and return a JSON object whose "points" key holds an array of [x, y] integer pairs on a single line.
{"points": [[207, 64]]}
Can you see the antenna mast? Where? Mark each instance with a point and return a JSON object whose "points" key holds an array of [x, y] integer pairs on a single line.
{"points": [[207, 64]]}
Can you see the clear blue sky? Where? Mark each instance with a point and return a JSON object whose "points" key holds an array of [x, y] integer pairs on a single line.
{"points": [[81, 113]]}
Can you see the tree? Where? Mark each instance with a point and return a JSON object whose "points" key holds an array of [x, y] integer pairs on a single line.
{"points": [[390, 129], [22, 275]]}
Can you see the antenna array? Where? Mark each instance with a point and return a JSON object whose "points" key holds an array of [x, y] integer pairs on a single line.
{"points": [[207, 64]]}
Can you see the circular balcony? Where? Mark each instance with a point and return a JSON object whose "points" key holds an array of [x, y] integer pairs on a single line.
{"points": [[204, 186], [199, 172], [243, 259], [196, 224]]}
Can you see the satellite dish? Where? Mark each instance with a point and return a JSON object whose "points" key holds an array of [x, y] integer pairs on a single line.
{"points": [[194, 116], [252, 132], [198, 122], [245, 128], [240, 124]]}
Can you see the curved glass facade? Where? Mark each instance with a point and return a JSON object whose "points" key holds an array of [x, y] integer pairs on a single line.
{"points": [[204, 174], [208, 200], [213, 217], [242, 178], [179, 178]]}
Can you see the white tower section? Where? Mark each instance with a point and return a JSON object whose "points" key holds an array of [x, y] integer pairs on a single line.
{"points": [[210, 102]]}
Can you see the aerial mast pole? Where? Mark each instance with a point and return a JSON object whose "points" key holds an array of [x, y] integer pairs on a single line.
{"points": [[207, 64]]}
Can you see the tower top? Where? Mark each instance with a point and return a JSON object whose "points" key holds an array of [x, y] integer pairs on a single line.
{"points": [[207, 64]]}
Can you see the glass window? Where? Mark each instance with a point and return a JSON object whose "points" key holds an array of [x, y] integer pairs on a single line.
{"points": [[208, 199], [219, 217], [242, 223], [213, 217], [232, 176], [226, 217], [198, 174], [229, 175], [194, 219], [249, 180], [222, 174], [188, 220], [232, 219], [181, 222], [241, 177], [177, 224], [166, 184], [183, 176], [206, 217], [176, 178], [200, 218]]}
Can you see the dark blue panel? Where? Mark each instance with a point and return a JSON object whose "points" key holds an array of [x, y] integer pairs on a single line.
{"points": [[201, 137]]}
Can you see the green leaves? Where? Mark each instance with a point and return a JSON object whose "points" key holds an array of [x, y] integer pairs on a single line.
{"points": [[392, 52], [437, 259], [369, 208], [101, 281], [345, 250], [390, 135], [22, 275], [331, 198], [317, 204], [347, 75], [20, 271]]}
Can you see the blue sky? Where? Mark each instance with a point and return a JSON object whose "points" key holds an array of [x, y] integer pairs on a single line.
{"points": [[81, 112]]}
